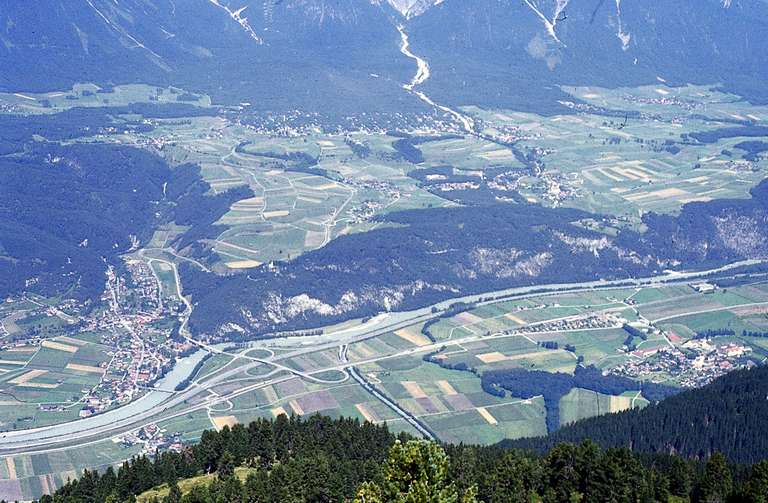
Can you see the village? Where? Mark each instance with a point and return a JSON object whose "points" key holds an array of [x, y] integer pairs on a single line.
{"points": [[694, 364], [135, 330]]}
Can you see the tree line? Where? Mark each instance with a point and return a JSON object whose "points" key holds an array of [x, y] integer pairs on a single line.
{"points": [[728, 415], [319, 459], [727, 332], [553, 386]]}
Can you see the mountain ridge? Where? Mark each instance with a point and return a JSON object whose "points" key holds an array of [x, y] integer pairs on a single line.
{"points": [[287, 55]]}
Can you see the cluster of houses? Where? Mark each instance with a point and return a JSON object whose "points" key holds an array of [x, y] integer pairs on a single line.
{"points": [[692, 365], [152, 440]]}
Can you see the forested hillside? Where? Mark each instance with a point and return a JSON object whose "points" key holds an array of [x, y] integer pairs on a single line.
{"points": [[481, 248], [728, 415], [319, 459], [69, 211]]}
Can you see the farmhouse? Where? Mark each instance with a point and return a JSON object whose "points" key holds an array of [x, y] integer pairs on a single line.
{"points": [[703, 287]]}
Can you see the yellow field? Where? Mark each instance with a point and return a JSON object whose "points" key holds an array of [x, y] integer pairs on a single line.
{"points": [[327, 186], [225, 184], [254, 203], [276, 213], [26, 377], [243, 264], [278, 411], [308, 199], [659, 194], [446, 388], [222, 421], [23, 349], [367, 414], [70, 340], [492, 357], [620, 403], [47, 483], [296, 408], [496, 357], [245, 218], [59, 346], [514, 318], [271, 394], [487, 416], [415, 338], [495, 155], [85, 368], [468, 318], [11, 468], [413, 389]]}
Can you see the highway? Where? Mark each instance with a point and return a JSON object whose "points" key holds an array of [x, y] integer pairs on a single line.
{"points": [[174, 404]]}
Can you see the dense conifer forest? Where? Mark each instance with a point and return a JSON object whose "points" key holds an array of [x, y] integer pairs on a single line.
{"points": [[320, 459], [728, 415], [703, 445]]}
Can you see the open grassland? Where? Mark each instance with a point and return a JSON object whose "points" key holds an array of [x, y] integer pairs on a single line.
{"points": [[470, 155], [292, 396], [167, 278], [688, 303]]}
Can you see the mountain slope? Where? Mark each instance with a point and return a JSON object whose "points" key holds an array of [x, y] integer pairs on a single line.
{"points": [[729, 415], [292, 54], [344, 55], [51, 242], [411, 8], [515, 53]]}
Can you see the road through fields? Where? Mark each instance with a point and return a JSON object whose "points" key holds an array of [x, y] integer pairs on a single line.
{"points": [[144, 412]]}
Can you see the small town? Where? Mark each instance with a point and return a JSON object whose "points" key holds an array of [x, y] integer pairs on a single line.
{"points": [[134, 327], [695, 364]]}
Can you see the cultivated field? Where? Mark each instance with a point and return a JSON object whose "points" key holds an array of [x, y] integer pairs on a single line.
{"points": [[41, 385]]}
